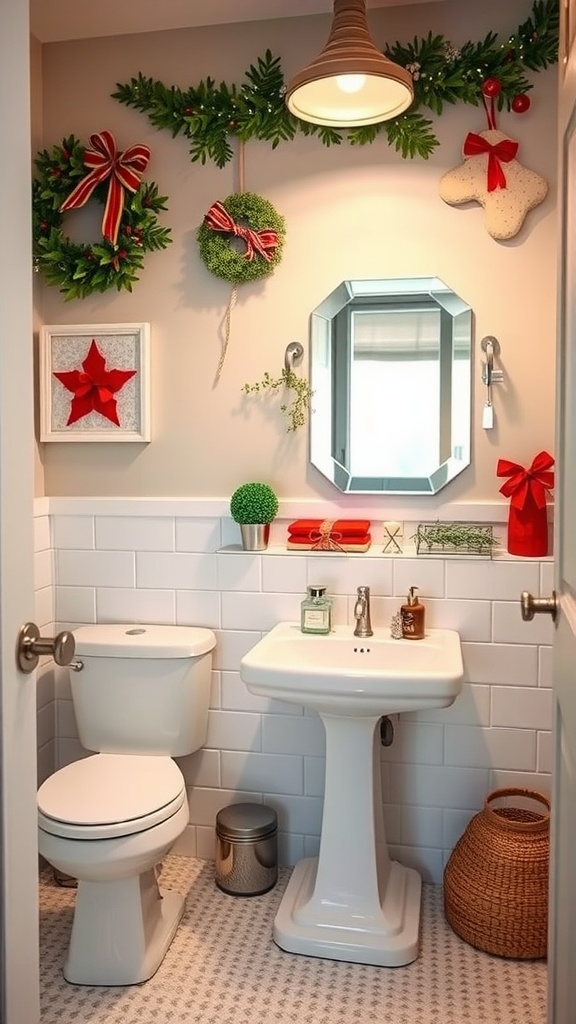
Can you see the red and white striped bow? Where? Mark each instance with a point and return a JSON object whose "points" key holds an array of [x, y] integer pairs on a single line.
{"points": [[262, 242], [124, 169]]}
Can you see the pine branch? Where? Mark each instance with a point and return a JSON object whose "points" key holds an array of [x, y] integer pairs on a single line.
{"points": [[537, 37], [411, 135]]}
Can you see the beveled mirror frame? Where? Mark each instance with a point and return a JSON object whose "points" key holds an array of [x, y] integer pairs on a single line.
{"points": [[331, 351]]}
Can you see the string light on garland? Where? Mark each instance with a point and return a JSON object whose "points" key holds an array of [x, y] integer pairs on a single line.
{"points": [[67, 177], [209, 115]]}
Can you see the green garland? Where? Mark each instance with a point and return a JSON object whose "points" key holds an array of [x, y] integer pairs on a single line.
{"points": [[217, 249], [81, 270], [209, 115]]}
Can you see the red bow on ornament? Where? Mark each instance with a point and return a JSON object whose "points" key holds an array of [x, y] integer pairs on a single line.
{"points": [[124, 169], [94, 388], [505, 151], [527, 519], [262, 242]]}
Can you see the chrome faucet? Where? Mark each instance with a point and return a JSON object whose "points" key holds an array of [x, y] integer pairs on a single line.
{"points": [[362, 613]]}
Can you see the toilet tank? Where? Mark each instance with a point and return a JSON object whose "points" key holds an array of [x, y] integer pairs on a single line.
{"points": [[142, 689]]}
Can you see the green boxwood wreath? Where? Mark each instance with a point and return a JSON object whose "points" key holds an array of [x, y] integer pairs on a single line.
{"points": [[217, 249], [80, 270]]}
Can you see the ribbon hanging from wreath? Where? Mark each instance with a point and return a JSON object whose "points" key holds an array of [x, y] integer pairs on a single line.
{"points": [[240, 240], [130, 226]]}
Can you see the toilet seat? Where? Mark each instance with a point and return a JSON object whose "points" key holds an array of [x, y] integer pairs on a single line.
{"points": [[106, 796]]}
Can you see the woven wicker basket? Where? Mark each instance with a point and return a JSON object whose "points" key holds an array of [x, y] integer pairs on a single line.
{"points": [[496, 880]]}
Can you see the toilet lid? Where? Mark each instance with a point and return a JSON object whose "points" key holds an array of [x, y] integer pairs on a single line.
{"points": [[109, 795]]}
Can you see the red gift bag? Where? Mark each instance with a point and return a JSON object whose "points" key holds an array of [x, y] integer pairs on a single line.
{"points": [[527, 518]]}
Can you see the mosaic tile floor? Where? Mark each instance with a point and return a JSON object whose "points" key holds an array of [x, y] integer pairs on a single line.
{"points": [[223, 968]]}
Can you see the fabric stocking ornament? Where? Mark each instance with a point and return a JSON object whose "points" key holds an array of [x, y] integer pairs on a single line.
{"points": [[492, 176]]}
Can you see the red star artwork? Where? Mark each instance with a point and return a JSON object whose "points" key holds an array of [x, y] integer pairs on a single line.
{"points": [[94, 387]]}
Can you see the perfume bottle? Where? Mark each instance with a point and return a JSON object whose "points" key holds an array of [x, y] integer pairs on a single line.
{"points": [[316, 611]]}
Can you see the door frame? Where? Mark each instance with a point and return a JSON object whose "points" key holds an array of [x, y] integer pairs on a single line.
{"points": [[19, 978]]}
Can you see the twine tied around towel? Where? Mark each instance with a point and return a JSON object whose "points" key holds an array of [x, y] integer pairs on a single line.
{"points": [[324, 539]]}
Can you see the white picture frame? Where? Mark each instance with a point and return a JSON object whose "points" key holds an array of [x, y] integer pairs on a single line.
{"points": [[94, 406]]}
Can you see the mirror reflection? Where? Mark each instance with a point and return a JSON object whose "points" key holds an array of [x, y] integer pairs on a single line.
{"points": [[390, 371]]}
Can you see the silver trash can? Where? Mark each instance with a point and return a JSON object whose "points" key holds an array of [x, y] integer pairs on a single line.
{"points": [[246, 849]]}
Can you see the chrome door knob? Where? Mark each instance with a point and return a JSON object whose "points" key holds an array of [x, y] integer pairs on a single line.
{"points": [[31, 645], [531, 606]]}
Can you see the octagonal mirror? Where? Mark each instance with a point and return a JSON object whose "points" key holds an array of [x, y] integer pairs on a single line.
{"points": [[390, 371]]}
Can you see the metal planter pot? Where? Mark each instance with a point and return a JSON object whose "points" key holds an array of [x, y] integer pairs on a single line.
{"points": [[255, 536]]}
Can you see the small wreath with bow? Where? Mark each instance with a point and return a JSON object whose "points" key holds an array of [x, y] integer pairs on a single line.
{"points": [[241, 238], [67, 177]]}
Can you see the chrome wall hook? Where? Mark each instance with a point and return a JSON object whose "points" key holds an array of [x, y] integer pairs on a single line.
{"points": [[293, 354], [490, 376], [491, 346]]}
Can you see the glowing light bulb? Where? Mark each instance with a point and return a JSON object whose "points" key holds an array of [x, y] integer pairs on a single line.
{"points": [[350, 83]]}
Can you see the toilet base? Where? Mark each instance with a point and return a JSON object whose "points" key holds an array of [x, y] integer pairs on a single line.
{"points": [[121, 930]]}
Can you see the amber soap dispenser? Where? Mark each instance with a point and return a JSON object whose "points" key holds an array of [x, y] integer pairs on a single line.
{"points": [[412, 616]]}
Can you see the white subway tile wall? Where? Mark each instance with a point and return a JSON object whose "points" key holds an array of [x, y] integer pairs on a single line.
{"points": [[140, 567]]}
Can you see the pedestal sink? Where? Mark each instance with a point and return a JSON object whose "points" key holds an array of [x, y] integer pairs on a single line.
{"points": [[353, 902]]}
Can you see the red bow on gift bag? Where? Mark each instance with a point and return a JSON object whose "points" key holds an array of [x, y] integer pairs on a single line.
{"points": [[527, 518]]}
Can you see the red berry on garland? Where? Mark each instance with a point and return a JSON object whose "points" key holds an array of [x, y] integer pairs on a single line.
{"points": [[189, 111], [492, 87], [521, 103]]}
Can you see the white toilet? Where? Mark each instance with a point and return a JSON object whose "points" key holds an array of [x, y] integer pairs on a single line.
{"points": [[141, 697]]}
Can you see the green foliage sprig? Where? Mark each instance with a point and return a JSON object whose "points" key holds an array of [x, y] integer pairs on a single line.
{"points": [[210, 115], [298, 408], [79, 270], [454, 538]]}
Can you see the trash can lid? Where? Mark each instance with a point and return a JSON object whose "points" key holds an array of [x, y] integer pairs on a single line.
{"points": [[246, 821]]}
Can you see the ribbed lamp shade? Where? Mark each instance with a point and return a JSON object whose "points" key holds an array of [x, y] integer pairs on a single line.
{"points": [[350, 82]]}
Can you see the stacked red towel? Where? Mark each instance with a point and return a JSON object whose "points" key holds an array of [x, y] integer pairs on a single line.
{"points": [[329, 535]]}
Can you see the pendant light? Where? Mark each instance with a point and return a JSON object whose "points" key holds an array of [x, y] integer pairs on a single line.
{"points": [[350, 82]]}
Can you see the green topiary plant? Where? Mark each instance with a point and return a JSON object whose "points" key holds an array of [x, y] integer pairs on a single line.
{"points": [[253, 503]]}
